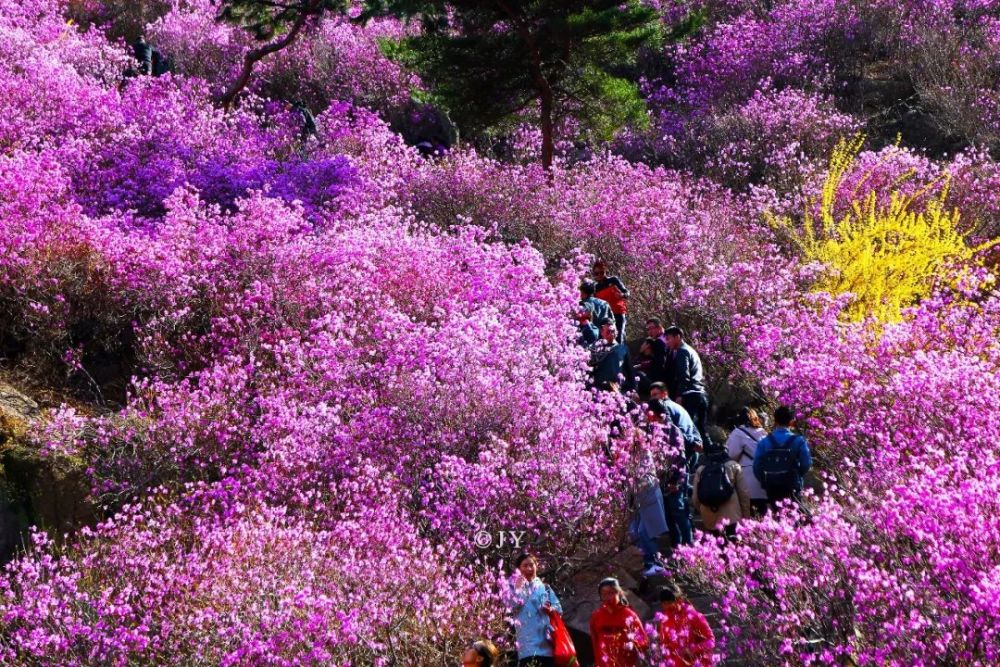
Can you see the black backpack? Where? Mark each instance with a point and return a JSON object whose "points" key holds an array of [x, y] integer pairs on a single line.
{"points": [[714, 487], [781, 479]]}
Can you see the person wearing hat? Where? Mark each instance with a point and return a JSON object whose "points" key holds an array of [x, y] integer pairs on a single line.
{"points": [[616, 632], [685, 638]]}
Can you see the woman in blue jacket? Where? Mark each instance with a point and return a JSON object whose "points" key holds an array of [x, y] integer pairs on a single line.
{"points": [[532, 603]]}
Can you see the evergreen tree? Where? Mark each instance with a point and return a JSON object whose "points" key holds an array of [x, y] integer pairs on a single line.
{"points": [[275, 22], [488, 61]]}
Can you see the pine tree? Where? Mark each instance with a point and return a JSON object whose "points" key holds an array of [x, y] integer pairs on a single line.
{"points": [[277, 23], [490, 61]]}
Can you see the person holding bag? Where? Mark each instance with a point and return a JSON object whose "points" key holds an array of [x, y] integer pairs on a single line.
{"points": [[533, 605]]}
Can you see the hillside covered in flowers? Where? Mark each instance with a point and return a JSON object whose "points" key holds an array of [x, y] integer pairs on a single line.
{"points": [[299, 369]]}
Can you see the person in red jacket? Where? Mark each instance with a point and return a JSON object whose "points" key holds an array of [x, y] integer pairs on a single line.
{"points": [[612, 290], [616, 631], [686, 640]]}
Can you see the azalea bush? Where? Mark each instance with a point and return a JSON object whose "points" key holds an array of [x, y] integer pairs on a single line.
{"points": [[892, 541], [308, 370]]}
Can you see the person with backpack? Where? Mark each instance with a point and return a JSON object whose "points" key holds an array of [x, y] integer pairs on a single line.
{"points": [[742, 448], [612, 290], [720, 495], [532, 603], [782, 459]]}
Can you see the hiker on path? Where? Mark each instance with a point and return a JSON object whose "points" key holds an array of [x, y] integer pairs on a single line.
{"points": [[686, 639], [686, 380], [782, 459], [592, 312], [143, 53], [309, 128], [616, 632], [532, 602], [680, 418], [720, 493], [162, 64], [481, 654], [612, 290], [644, 364], [742, 448], [654, 351], [673, 484], [611, 362], [649, 520]]}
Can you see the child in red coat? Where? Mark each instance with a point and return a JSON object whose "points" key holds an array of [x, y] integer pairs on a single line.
{"points": [[616, 631], [686, 640]]}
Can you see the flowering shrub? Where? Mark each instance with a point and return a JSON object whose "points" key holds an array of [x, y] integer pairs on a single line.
{"points": [[685, 247], [887, 255], [778, 138], [343, 360], [334, 60], [906, 422], [253, 585]]}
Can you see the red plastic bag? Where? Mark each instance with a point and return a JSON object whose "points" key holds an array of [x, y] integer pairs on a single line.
{"points": [[563, 651]]}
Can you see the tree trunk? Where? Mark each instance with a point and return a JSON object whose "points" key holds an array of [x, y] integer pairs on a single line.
{"points": [[542, 86], [254, 56], [548, 142]]}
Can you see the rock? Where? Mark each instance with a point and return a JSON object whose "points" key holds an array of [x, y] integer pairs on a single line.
{"points": [[49, 492], [15, 408]]}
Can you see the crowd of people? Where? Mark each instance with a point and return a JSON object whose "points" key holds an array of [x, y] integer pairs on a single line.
{"points": [[617, 634], [725, 483]]}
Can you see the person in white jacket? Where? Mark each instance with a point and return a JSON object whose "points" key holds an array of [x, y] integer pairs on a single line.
{"points": [[742, 448]]}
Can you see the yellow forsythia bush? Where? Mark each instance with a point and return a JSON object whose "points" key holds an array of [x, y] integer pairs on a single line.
{"points": [[887, 255]]}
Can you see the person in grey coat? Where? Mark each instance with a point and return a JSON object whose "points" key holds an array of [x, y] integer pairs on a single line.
{"points": [[649, 520]]}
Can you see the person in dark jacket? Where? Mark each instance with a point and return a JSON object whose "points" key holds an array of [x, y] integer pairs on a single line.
{"points": [[611, 362], [801, 458], [680, 418], [592, 312], [673, 485], [162, 64], [686, 381], [308, 120], [612, 290], [144, 54], [654, 363]]}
